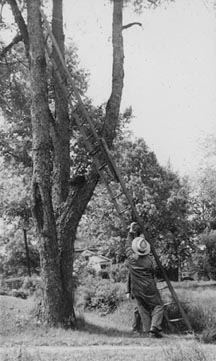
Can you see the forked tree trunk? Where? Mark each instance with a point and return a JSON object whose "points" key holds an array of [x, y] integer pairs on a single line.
{"points": [[57, 235]]}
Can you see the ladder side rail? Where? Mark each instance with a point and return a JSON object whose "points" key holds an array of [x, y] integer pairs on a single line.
{"points": [[66, 95], [113, 200], [125, 191], [55, 44], [55, 66], [89, 146], [83, 133], [170, 286]]}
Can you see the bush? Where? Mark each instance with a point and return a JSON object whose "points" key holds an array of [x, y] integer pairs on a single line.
{"points": [[104, 275], [19, 293], [198, 302], [119, 272], [105, 296], [195, 314], [31, 284]]}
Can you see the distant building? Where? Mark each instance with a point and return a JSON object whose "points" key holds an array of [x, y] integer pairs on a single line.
{"points": [[95, 261]]}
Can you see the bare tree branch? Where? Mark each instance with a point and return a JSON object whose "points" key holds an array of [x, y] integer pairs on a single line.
{"points": [[131, 24], [153, 2], [16, 40], [20, 23]]}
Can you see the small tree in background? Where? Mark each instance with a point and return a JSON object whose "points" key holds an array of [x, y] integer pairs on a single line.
{"points": [[209, 240], [160, 197], [19, 237]]}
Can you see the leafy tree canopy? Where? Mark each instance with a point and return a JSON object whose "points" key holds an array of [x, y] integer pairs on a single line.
{"points": [[160, 198]]}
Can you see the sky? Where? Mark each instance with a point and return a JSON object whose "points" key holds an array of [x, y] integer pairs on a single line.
{"points": [[170, 72]]}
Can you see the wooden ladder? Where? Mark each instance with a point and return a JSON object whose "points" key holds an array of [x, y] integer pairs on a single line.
{"points": [[97, 148]]}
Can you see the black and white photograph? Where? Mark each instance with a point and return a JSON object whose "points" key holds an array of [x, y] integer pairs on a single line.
{"points": [[108, 180]]}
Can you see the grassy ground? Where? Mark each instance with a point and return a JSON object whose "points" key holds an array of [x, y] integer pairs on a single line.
{"points": [[107, 338], [179, 352]]}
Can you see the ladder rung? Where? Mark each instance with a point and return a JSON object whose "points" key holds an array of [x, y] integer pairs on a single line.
{"points": [[118, 195], [81, 124], [111, 179], [70, 93], [94, 151], [46, 38], [168, 303], [124, 210], [162, 288], [176, 319], [89, 136], [102, 166]]}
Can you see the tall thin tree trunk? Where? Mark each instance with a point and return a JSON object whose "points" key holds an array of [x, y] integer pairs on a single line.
{"points": [[60, 133], [27, 252], [114, 102], [61, 174], [179, 269]]}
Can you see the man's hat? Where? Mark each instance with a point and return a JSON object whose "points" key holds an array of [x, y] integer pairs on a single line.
{"points": [[140, 246]]}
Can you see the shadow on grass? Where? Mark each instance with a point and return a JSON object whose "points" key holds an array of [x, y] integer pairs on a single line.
{"points": [[91, 328]]}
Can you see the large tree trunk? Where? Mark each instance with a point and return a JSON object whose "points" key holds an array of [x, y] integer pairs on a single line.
{"points": [[42, 192], [51, 186]]}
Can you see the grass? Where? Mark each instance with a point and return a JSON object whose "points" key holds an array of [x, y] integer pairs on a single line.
{"points": [[189, 352], [181, 351], [194, 284], [107, 337]]}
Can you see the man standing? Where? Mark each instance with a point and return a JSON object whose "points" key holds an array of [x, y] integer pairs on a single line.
{"points": [[143, 285]]}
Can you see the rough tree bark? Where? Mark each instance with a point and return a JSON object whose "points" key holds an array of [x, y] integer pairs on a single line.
{"points": [[41, 179], [60, 133]]}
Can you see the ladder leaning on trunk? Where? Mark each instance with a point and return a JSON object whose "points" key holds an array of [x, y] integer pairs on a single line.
{"points": [[97, 148]]}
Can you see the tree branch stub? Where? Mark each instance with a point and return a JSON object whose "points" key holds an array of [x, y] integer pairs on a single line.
{"points": [[131, 24]]}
